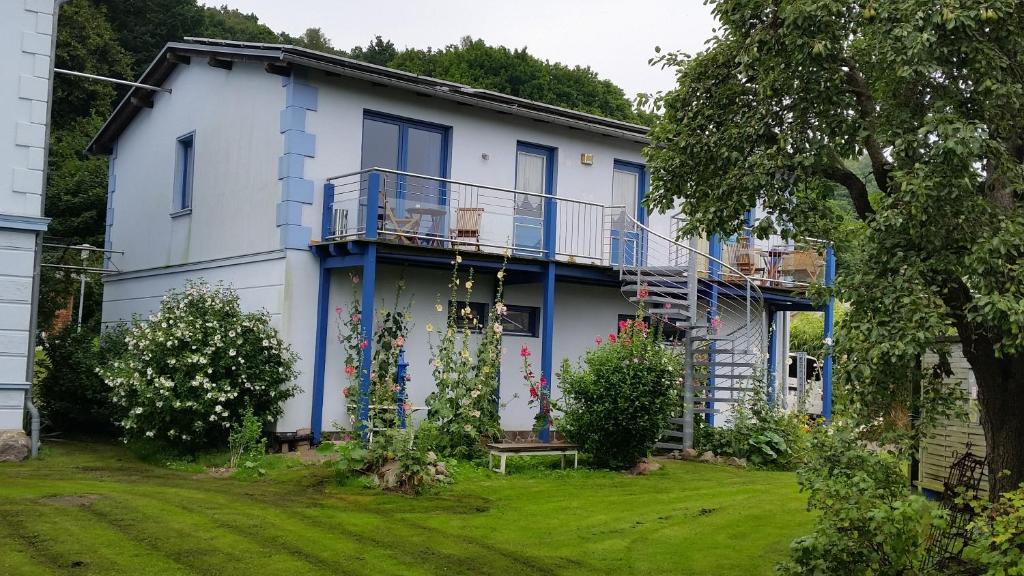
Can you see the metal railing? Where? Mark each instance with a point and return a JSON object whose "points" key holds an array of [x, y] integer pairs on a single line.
{"points": [[428, 211]]}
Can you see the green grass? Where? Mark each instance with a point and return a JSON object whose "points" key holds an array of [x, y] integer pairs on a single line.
{"points": [[88, 508]]}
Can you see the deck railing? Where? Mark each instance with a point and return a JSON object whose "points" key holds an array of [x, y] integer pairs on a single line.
{"points": [[419, 210]]}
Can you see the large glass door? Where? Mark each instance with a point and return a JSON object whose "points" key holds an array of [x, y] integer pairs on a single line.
{"points": [[628, 185], [534, 174]]}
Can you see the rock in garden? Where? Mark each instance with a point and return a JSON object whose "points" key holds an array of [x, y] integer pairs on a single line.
{"points": [[737, 462], [644, 467], [674, 455], [689, 454], [708, 456], [15, 446], [389, 475], [441, 469]]}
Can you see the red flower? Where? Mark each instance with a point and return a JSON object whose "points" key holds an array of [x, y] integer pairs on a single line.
{"points": [[350, 370], [543, 381], [533, 391], [524, 351], [643, 293], [364, 344], [344, 392], [338, 310], [612, 338], [623, 324], [598, 341], [355, 279]]}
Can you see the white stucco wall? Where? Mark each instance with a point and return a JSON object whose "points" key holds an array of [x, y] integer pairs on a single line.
{"points": [[234, 114], [26, 42]]}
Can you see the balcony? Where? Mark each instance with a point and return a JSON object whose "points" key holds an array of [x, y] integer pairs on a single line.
{"points": [[416, 210]]}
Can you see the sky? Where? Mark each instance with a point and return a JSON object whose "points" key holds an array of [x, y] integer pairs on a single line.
{"points": [[614, 37]]}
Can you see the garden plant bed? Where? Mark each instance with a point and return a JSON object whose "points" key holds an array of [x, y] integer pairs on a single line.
{"points": [[140, 519]]}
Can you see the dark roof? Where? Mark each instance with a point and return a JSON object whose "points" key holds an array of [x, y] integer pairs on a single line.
{"points": [[279, 58]]}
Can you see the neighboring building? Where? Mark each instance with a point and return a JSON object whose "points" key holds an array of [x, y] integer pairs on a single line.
{"points": [[278, 169], [27, 44]]}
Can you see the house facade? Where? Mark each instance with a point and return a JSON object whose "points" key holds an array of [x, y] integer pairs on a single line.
{"points": [[27, 43], [284, 172]]}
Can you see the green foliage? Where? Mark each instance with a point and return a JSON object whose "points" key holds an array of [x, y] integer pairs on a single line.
{"points": [[246, 442], [999, 535], [764, 435], [350, 457], [788, 94], [190, 371], [808, 328], [618, 400], [464, 403], [72, 396], [868, 523]]}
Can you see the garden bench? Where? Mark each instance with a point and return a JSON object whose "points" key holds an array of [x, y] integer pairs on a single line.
{"points": [[505, 449]]}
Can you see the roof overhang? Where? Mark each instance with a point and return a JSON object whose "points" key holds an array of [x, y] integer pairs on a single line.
{"points": [[282, 59]]}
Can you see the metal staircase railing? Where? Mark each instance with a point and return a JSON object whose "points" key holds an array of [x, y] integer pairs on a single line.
{"points": [[714, 313]]}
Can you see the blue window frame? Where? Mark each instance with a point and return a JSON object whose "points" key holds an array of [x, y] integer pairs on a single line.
{"points": [[407, 145], [629, 186], [532, 233], [184, 170]]}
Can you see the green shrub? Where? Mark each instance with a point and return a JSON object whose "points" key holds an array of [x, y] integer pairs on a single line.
{"points": [[189, 372], [72, 396], [618, 400], [246, 442], [397, 459], [999, 535], [761, 433], [868, 522]]}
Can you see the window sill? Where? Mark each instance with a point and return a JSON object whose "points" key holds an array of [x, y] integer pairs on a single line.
{"points": [[179, 213]]}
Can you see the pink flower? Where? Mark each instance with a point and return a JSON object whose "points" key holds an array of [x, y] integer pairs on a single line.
{"points": [[356, 317], [399, 342], [533, 391], [543, 381], [643, 293], [350, 370], [344, 392], [355, 279], [338, 310], [395, 388], [598, 340], [347, 438], [408, 377], [612, 338], [406, 407], [364, 344], [524, 351], [623, 324]]}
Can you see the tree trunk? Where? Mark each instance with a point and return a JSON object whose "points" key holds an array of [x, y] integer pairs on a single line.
{"points": [[1001, 397]]}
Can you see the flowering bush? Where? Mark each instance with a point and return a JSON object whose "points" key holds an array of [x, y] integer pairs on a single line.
{"points": [[540, 393], [386, 393], [617, 402], [188, 374], [999, 535], [464, 405]]}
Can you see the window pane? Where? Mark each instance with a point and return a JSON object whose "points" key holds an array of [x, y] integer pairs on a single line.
{"points": [[625, 190], [520, 321], [424, 155], [531, 170], [380, 145]]}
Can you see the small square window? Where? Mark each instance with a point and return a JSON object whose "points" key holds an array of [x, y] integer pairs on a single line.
{"points": [[520, 321], [184, 171], [470, 315]]}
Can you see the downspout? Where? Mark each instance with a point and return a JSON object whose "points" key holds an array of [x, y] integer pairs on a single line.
{"points": [[30, 371]]}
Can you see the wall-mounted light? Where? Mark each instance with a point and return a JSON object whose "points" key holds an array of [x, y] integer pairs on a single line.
{"points": [[586, 159], [485, 156]]}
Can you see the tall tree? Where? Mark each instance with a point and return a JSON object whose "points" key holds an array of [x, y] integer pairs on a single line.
{"points": [[933, 94]]}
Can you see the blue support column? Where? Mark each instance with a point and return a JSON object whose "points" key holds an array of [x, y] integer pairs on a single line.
{"points": [[369, 281], [373, 187], [830, 315], [548, 339], [773, 344], [326, 218], [316, 419], [715, 273]]}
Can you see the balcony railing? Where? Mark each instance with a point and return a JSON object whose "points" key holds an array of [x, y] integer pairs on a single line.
{"points": [[418, 210]]}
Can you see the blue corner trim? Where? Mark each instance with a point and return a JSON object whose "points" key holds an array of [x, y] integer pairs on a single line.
{"points": [[715, 270], [369, 281], [296, 189], [316, 420], [548, 338], [830, 316]]}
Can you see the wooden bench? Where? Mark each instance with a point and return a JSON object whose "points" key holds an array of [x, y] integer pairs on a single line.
{"points": [[505, 449]]}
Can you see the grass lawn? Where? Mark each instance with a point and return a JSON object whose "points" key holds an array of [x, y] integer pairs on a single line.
{"points": [[95, 509]]}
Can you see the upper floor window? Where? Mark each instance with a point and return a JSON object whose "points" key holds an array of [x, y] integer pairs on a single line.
{"points": [[629, 184], [406, 145], [184, 170]]}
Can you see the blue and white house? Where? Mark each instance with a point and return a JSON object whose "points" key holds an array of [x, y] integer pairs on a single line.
{"points": [[282, 170]]}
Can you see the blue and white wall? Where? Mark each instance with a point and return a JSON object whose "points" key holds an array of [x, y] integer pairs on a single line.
{"points": [[26, 42]]}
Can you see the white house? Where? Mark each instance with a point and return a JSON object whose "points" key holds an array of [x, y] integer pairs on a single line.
{"points": [[279, 170], [27, 45]]}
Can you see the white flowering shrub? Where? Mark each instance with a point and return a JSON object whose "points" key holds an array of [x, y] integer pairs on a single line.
{"points": [[189, 372]]}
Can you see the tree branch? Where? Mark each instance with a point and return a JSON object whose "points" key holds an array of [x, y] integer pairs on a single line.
{"points": [[858, 190], [866, 104]]}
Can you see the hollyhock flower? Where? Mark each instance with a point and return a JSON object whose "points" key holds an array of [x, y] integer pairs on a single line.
{"points": [[598, 340], [364, 344], [399, 342], [475, 413], [623, 324], [338, 310], [543, 381], [344, 392], [533, 392], [469, 284], [407, 407], [500, 308], [643, 293], [524, 351], [350, 370], [430, 327], [438, 307], [612, 338], [458, 259], [497, 328], [356, 318], [501, 274], [395, 388], [355, 279]]}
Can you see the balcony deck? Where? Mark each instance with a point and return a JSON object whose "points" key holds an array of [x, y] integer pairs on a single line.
{"points": [[419, 214]]}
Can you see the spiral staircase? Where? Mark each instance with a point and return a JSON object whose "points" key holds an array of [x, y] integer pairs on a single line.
{"points": [[715, 313]]}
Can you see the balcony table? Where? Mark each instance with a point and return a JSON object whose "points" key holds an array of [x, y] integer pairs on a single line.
{"points": [[437, 215]]}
